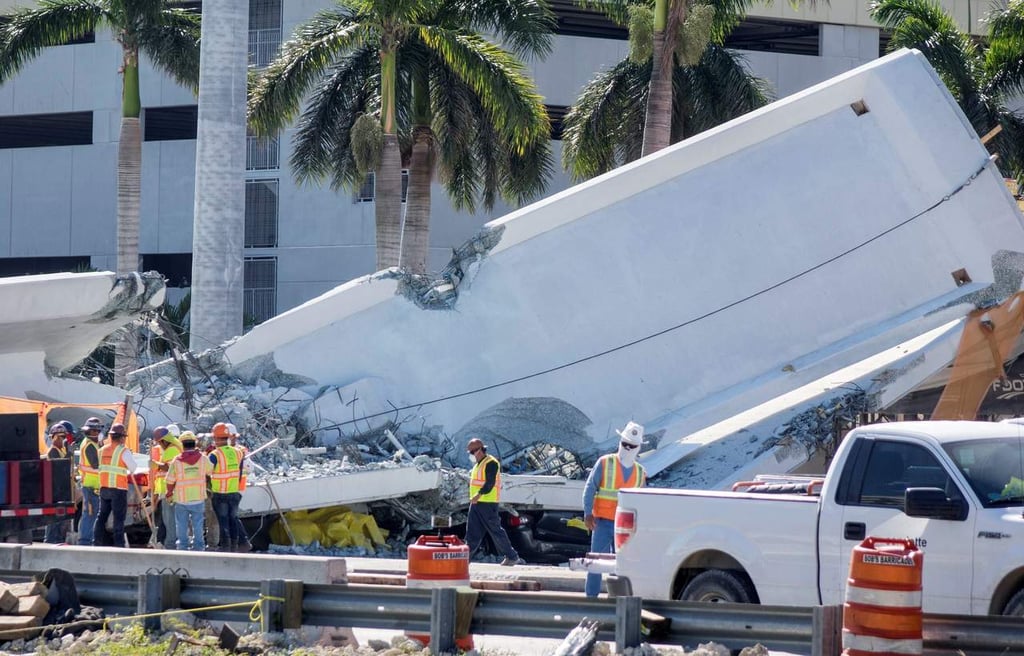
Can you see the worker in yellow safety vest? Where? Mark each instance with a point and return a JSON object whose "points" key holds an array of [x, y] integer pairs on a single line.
{"points": [[187, 479], [89, 471], [166, 447], [611, 473], [243, 480], [225, 497], [116, 465], [484, 495], [57, 532]]}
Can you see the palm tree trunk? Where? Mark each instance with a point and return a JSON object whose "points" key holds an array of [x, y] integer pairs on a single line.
{"points": [[388, 182], [658, 119], [129, 175], [218, 235], [416, 235]]}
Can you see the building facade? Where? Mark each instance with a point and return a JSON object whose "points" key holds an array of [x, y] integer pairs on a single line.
{"points": [[59, 122]]}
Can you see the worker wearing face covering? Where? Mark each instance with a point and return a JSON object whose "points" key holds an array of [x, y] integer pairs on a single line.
{"points": [[611, 473]]}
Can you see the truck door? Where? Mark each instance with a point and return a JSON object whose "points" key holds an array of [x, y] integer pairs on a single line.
{"points": [[869, 502]]}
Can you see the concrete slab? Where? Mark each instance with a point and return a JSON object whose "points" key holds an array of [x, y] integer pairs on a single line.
{"points": [[10, 557], [132, 562], [339, 490]]}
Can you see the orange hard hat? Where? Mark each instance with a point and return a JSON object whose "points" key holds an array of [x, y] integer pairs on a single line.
{"points": [[221, 430]]}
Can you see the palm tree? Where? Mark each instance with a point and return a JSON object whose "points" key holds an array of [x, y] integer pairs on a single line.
{"points": [[668, 33], [168, 35], [218, 234], [610, 122], [983, 80], [436, 84]]}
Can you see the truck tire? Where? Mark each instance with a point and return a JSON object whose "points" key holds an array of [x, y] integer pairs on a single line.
{"points": [[1015, 606], [719, 586]]}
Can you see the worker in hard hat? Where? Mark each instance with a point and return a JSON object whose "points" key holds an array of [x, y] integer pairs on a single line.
{"points": [[611, 473], [227, 469], [234, 439], [167, 447], [116, 465], [187, 480], [484, 495], [57, 532], [89, 472]]}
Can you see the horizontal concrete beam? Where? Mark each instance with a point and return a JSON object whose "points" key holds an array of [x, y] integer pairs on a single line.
{"points": [[198, 565], [10, 557]]}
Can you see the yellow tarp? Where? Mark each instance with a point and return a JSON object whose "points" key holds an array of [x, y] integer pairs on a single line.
{"points": [[336, 526], [10, 405]]}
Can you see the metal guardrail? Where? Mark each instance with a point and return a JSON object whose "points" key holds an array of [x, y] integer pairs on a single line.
{"points": [[814, 631]]}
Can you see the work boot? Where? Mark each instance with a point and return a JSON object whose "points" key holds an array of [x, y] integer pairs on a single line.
{"points": [[243, 547], [509, 562]]}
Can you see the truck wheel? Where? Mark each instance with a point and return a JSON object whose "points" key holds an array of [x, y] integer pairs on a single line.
{"points": [[1015, 607], [718, 586]]}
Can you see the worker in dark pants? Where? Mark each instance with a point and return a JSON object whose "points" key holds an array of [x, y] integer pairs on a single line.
{"points": [[57, 532], [484, 495], [116, 465]]}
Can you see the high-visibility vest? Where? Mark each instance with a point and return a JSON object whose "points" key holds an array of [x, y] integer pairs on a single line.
{"points": [[167, 454], [60, 453], [477, 478], [113, 468], [242, 476], [90, 475], [224, 479], [190, 480], [607, 498]]}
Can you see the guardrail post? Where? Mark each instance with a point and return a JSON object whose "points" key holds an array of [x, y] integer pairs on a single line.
{"points": [[157, 593], [827, 630], [443, 608], [280, 615], [627, 622]]}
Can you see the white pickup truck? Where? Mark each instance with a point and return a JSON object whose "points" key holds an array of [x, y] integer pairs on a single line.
{"points": [[954, 487]]}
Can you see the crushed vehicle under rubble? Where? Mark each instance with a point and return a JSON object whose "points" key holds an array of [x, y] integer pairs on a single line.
{"points": [[741, 294]]}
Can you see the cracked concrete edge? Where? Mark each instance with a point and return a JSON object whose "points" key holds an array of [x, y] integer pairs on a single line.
{"points": [[441, 291], [131, 294]]}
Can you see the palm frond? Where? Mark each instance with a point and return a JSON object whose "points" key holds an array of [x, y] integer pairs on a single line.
{"points": [[524, 26], [718, 89], [173, 45], [599, 128], [497, 78], [616, 10], [322, 147], [454, 126], [276, 97], [1004, 59], [53, 22]]}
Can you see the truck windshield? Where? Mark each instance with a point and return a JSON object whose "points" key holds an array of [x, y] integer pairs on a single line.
{"points": [[994, 468]]}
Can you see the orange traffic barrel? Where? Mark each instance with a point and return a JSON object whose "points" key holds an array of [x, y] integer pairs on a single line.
{"points": [[439, 561], [882, 614]]}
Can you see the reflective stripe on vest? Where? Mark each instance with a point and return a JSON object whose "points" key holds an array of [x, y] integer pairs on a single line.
{"points": [[607, 498], [242, 476], [113, 469], [478, 477], [189, 480], [167, 455], [90, 475], [224, 478]]}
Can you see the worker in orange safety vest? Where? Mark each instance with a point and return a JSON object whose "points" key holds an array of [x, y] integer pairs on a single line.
{"points": [[166, 447], [116, 465], [611, 473], [187, 479]]}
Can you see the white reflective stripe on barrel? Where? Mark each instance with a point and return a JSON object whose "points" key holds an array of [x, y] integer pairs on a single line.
{"points": [[876, 597], [875, 644]]}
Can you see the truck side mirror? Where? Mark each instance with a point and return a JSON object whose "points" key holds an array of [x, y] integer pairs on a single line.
{"points": [[932, 503]]}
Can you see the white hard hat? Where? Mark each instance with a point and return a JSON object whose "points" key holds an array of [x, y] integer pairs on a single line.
{"points": [[633, 434], [173, 429]]}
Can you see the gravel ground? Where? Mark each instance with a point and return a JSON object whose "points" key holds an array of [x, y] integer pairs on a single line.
{"points": [[203, 641]]}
